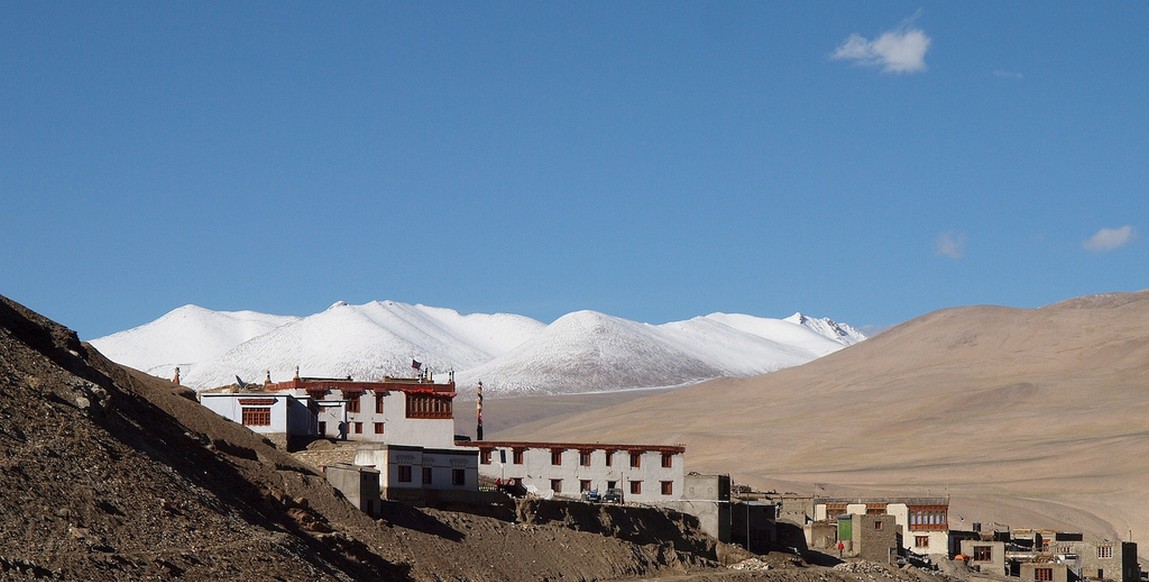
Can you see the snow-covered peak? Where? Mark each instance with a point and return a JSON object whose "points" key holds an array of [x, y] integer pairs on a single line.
{"points": [[826, 327], [580, 351], [186, 334]]}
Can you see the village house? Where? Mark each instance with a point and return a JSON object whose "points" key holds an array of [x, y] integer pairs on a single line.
{"points": [[987, 556], [413, 411], [923, 521], [872, 537], [641, 473], [422, 475]]}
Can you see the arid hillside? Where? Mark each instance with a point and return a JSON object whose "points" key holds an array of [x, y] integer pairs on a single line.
{"points": [[109, 474], [1034, 417]]}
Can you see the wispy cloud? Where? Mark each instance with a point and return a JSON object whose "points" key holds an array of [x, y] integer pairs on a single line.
{"points": [[951, 244], [1108, 239], [901, 50], [1008, 75]]}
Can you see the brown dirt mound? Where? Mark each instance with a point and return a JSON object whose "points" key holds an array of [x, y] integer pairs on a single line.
{"points": [[107, 473]]}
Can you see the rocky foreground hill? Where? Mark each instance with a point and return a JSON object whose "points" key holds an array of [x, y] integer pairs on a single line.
{"points": [[111, 474]]}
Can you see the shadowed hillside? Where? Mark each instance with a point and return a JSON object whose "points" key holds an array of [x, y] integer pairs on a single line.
{"points": [[109, 474], [1037, 415]]}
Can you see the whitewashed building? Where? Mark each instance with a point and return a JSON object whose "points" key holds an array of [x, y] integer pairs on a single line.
{"points": [[413, 411], [263, 412], [643, 473], [924, 521], [416, 473]]}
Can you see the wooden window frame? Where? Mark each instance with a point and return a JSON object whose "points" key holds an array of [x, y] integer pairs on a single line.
{"points": [[256, 416], [584, 458]]}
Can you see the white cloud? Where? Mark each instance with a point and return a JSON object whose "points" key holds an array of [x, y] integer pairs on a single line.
{"points": [[902, 50], [951, 244], [1108, 239], [1008, 75]]}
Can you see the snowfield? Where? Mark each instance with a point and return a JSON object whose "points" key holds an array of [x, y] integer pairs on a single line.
{"points": [[583, 351]]}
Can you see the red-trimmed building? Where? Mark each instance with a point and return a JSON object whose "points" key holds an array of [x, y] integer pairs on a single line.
{"points": [[410, 411], [643, 473]]}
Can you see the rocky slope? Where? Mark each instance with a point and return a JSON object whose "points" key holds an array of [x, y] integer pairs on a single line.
{"points": [[106, 473]]}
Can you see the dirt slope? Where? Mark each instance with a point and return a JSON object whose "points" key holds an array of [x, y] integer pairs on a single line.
{"points": [[106, 473], [1039, 416]]}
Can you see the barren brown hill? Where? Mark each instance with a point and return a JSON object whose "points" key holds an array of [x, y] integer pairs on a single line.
{"points": [[109, 474], [1031, 417]]}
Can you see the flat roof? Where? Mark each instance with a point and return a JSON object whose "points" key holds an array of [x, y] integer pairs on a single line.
{"points": [[569, 445]]}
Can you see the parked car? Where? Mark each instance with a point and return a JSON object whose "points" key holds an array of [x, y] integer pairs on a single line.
{"points": [[612, 496], [592, 496]]}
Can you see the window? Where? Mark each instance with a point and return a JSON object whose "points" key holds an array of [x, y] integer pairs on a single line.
{"points": [[556, 456], [359, 428], [584, 485], [379, 428], [667, 487], [426, 475], [635, 487], [921, 541], [667, 460], [517, 456], [635, 459], [612, 484], [584, 458], [257, 416], [1043, 574], [378, 403], [404, 473], [353, 403], [485, 456], [458, 477], [982, 553], [557, 485], [928, 518], [879, 524], [1104, 552], [429, 406], [609, 458]]}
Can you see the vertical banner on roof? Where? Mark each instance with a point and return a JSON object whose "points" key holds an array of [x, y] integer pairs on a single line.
{"points": [[479, 412]]}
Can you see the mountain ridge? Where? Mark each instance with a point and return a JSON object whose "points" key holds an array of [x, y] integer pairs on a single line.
{"points": [[580, 351]]}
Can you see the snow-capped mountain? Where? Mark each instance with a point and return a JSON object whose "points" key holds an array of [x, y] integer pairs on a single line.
{"points": [[579, 352], [185, 335]]}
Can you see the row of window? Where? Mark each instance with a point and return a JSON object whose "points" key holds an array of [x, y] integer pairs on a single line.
{"points": [[260, 416], [458, 476], [928, 519], [584, 485], [357, 427], [584, 457], [418, 405], [353, 403]]}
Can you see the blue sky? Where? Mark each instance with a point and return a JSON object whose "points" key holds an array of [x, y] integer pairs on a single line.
{"points": [[651, 160]]}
